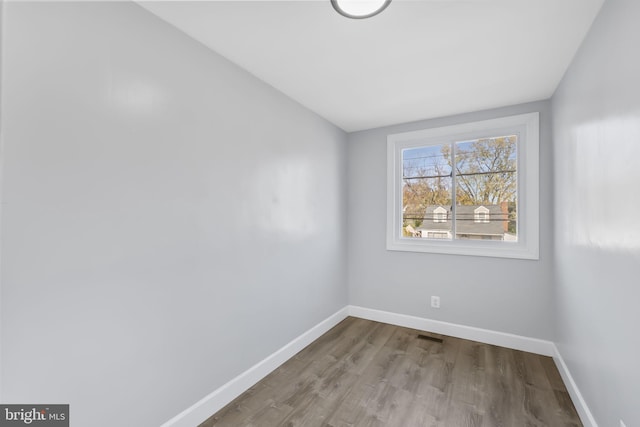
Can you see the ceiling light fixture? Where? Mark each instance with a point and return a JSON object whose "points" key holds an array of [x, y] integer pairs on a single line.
{"points": [[359, 9]]}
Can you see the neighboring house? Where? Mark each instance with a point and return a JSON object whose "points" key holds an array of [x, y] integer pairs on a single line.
{"points": [[486, 222]]}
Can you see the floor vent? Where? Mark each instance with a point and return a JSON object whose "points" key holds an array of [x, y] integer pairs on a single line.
{"points": [[430, 338]]}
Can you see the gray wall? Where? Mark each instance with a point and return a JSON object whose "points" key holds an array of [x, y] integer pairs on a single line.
{"points": [[597, 147], [494, 293], [168, 219]]}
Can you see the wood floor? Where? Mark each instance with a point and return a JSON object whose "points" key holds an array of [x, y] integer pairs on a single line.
{"points": [[364, 373]]}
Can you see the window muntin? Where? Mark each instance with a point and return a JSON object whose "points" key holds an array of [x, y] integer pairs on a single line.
{"points": [[493, 167]]}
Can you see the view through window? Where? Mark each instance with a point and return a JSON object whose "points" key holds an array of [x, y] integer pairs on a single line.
{"points": [[461, 190]]}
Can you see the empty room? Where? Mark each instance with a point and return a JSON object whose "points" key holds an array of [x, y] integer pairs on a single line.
{"points": [[330, 213]]}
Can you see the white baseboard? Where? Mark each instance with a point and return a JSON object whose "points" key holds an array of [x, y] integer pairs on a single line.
{"points": [[581, 406], [516, 342], [220, 397]]}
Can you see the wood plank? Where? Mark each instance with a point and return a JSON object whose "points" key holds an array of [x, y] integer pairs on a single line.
{"points": [[364, 373]]}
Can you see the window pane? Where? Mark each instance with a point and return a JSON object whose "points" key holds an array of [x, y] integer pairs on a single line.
{"points": [[426, 192], [486, 189]]}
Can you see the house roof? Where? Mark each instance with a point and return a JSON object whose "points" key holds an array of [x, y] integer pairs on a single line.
{"points": [[465, 223]]}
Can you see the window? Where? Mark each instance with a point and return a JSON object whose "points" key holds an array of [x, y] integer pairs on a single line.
{"points": [[437, 235], [481, 215], [439, 214], [469, 189]]}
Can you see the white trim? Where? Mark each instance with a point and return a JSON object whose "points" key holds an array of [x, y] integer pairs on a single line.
{"points": [[503, 339], [581, 406], [220, 397], [527, 126]]}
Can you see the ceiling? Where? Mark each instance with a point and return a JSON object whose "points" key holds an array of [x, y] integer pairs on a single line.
{"points": [[419, 59]]}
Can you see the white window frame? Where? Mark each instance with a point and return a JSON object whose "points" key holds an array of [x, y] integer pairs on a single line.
{"points": [[526, 126]]}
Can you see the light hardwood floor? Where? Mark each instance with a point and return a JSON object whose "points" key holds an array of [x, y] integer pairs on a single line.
{"points": [[364, 373]]}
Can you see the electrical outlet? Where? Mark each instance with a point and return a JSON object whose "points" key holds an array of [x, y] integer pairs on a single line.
{"points": [[622, 424], [435, 301]]}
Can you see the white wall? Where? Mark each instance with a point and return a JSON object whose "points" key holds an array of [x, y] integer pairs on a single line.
{"points": [[1, 157], [500, 294], [168, 219], [596, 114]]}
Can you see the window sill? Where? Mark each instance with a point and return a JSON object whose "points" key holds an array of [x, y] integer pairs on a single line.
{"points": [[483, 249]]}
